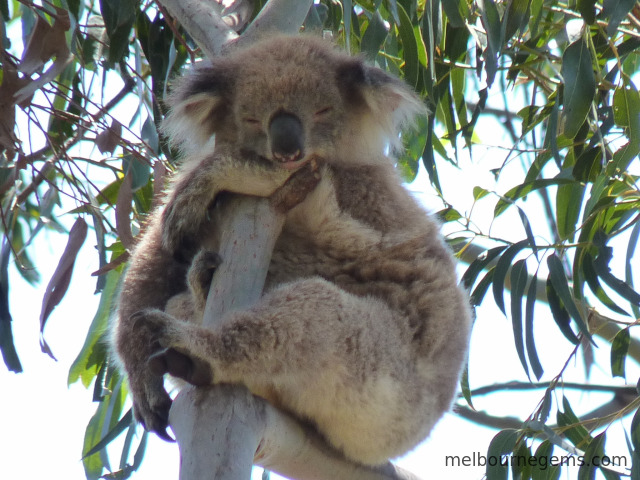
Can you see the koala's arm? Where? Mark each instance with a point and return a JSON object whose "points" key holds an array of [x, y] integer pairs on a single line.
{"points": [[196, 189]]}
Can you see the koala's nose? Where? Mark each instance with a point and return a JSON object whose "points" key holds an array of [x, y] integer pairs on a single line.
{"points": [[286, 137]]}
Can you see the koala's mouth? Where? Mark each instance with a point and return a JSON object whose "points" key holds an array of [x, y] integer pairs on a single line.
{"points": [[291, 161]]}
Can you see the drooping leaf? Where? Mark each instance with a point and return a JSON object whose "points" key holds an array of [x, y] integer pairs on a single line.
{"points": [[518, 284], [471, 274], [601, 265], [532, 354], [123, 210], [587, 10], [524, 189], [409, 47], [374, 36], [560, 314], [575, 431], [124, 423], [591, 277], [516, 17], [561, 287], [118, 16], [626, 106], [464, 386], [568, 205], [616, 10], [93, 352], [619, 349], [481, 289], [61, 277], [456, 11], [579, 86], [503, 443], [545, 468], [7, 346], [502, 267]]}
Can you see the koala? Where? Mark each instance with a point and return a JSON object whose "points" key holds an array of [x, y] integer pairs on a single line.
{"points": [[362, 329]]}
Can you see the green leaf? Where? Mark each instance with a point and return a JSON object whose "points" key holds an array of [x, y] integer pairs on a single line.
{"points": [[601, 265], [532, 354], [592, 456], [626, 109], [519, 276], [140, 170], [456, 11], [118, 16], [503, 443], [560, 314], [493, 27], [588, 165], [546, 468], [579, 86], [587, 10], [619, 349], [479, 264], [428, 158], [124, 423], [449, 214], [374, 36], [576, 433], [93, 353], [524, 189], [409, 48], [591, 277], [616, 10], [561, 287], [481, 289], [479, 192], [464, 385], [516, 17], [635, 431], [568, 205], [502, 267]]}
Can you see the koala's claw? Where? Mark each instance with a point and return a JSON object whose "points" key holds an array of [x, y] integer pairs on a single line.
{"points": [[171, 361], [151, 408]]}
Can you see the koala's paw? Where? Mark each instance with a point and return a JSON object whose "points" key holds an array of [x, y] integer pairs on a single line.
{"points": [[181, 365], [179, 229], [171, 353], [296, 189], [201, 273], [151, 404]]}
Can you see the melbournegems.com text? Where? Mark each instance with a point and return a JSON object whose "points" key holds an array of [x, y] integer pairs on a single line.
{"points": [[477, 459]]}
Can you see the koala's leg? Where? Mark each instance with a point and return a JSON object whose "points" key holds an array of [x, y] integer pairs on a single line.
{"points": [[341, 361]]}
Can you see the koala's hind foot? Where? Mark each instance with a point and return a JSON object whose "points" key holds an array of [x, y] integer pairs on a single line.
{"points": [[165, 355]]}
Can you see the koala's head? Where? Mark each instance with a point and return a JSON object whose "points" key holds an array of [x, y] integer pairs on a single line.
{"points": [[288, 98]]}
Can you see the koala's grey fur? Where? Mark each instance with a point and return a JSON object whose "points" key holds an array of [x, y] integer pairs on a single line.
{"points": [[363, 329]]}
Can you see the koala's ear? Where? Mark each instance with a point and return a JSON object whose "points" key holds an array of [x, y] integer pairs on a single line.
{"points": [[390, 101], [198, 107]]}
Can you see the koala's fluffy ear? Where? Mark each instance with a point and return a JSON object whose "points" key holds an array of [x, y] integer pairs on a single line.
{"points": [[391, 103], [199, 105]]}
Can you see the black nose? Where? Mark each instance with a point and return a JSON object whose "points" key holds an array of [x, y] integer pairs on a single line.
{"points": [[286, 137]]}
